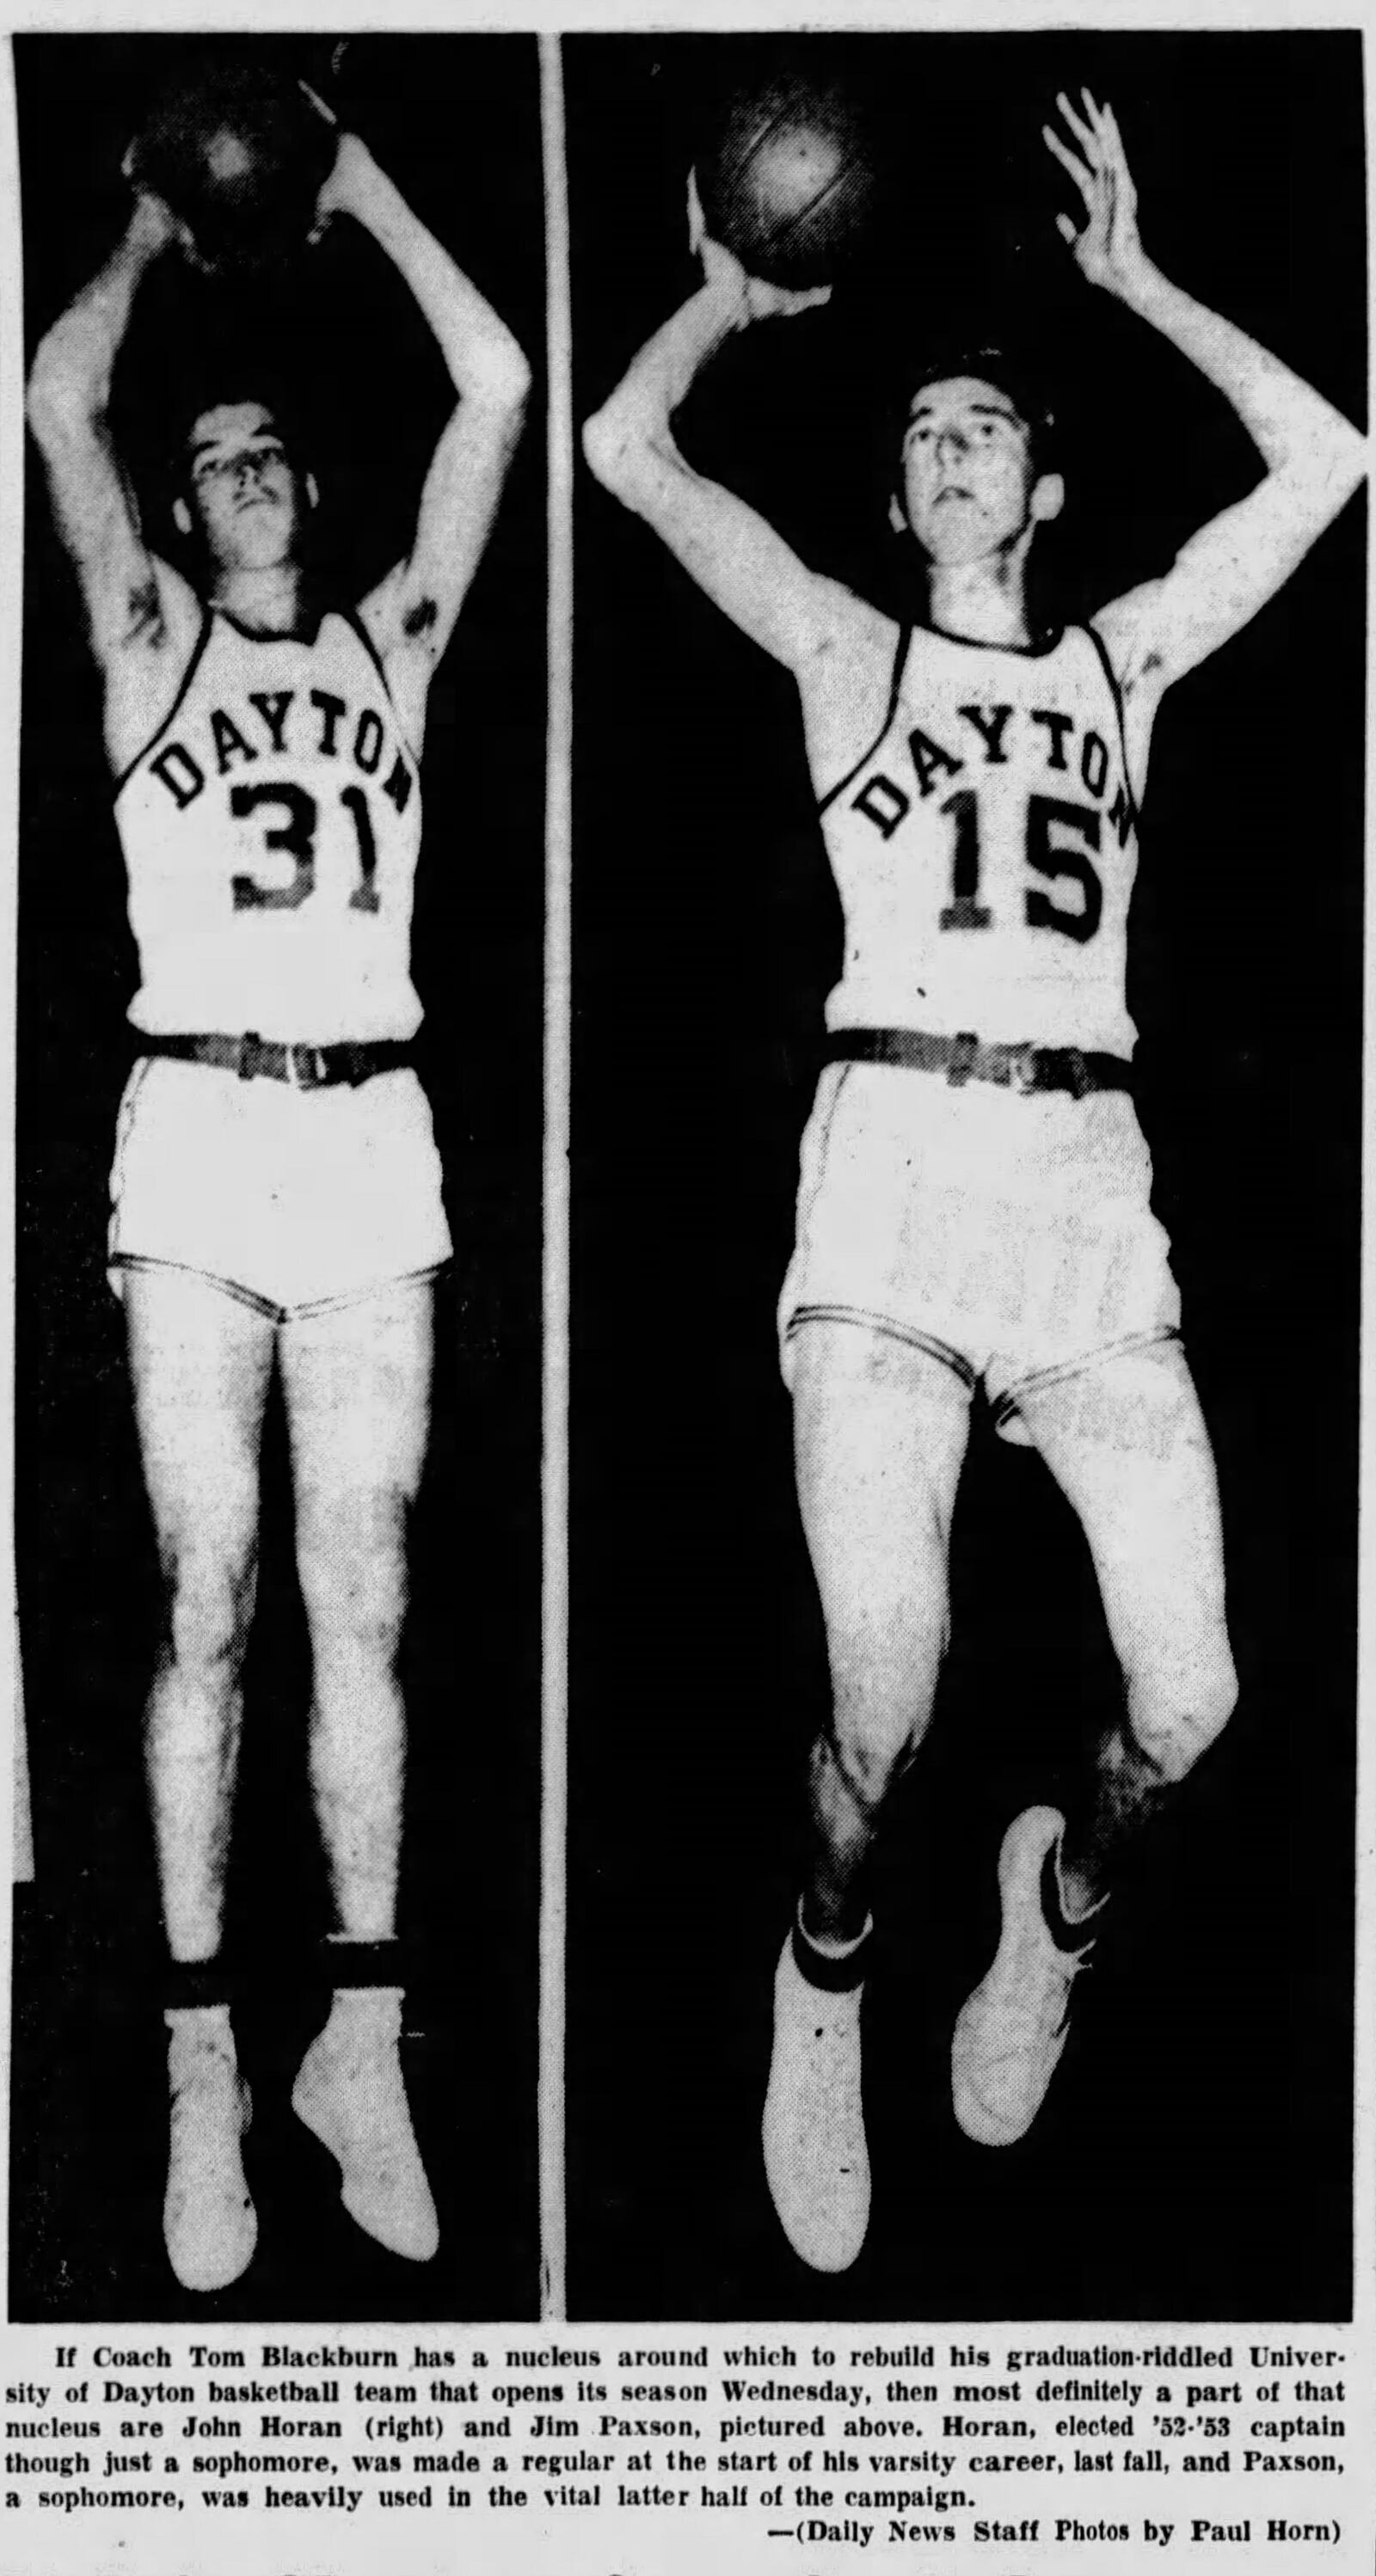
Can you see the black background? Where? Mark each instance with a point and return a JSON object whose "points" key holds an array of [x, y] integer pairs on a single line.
{"points": [[336, 334], [1193, 2159]]}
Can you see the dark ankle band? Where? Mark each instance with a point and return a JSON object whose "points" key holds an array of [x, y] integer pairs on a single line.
{"points": [[833, 1976], [195, 1985], [364, 1963]]}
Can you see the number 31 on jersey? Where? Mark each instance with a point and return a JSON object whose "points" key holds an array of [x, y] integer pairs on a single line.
{"points": [[295, 836]]}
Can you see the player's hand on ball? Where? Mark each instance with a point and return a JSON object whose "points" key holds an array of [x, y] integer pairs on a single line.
{"points": [[152, 225], [1108, 251], [723, 273]]}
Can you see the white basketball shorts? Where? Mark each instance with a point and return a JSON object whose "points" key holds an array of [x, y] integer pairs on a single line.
{"points": [[292, 1200], [1008, 1234]]}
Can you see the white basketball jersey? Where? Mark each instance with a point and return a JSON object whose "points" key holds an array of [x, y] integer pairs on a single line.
{"points": [[270, 832], [985, 849]]}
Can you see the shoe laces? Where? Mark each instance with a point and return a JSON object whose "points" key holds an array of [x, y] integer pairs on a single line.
{"points": [[1042, 1974], [1070, 1964], [835, 2038]]}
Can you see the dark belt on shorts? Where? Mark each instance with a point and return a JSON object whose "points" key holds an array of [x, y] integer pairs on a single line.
{"points": [[311, 1068], [966, 1058]]}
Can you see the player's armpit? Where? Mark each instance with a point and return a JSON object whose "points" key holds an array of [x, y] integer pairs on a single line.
{"points": [[142, 618], [1226, 573], [144, 658], [135, 604], [412, 612]]}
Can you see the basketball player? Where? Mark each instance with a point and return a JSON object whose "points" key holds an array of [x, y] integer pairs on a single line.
{"points": [[276, 1191], [974, 1210]]}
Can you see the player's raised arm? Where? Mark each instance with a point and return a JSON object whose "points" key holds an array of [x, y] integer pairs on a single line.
{"points": [[411, 614], [138, 609], [1314, 457], [728, 548]]}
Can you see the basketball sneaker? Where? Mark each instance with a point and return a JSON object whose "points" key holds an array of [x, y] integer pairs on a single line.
{"points": [[815, 2157], [208, 2220], [351, 2095], [1009, 2036]]}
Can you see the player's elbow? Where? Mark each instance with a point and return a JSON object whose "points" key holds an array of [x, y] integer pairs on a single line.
{"points": [[51, 401], [63, 407], [509, 380], [614, 451], [1351, 464], [495, 383], [602, 447], [1328, 476]]}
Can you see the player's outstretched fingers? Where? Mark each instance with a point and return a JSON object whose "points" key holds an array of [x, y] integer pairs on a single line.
{"points": [[1083, 133], [697, 221], [1116, 163], [1104, 122], [314, 99], [1084, 179]]}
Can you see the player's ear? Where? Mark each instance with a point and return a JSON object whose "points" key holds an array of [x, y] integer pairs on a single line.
{"points": [[1048, 497], [898, 517], [312, 491], [181, 516]]}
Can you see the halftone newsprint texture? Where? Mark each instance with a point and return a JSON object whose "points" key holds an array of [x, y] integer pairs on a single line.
{"points": [[802, 1973], [379, 387]]}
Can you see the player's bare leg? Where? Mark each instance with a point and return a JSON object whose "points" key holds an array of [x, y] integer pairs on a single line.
{"points": [[879, 1435], [357, 1388], [1127, 1444], [200, 1362]]}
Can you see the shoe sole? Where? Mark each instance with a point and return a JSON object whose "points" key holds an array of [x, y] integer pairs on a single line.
{"points": [[979, 2120]]}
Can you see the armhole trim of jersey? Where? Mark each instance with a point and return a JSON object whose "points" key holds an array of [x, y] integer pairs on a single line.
{"points": [[351, 618], [194, 661], [1116, 693], [900, 660]]}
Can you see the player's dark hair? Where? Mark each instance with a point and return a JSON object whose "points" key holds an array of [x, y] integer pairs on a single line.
{"points": [[170, 480], [1012, 374], [1009, 371], [177, 461]]}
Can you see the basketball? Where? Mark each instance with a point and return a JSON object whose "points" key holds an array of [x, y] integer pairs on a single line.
{"points": [[240, 157], [789, 183]]}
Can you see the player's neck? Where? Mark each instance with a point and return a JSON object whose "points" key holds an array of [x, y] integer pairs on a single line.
{"points": [[986, 603], [267, 600]]}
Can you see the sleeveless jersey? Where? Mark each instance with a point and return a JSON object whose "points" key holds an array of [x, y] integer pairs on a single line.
{"points": [[985, 849], [270, 831]]}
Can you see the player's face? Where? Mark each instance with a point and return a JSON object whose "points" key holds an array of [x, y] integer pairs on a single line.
{"points": [[967, 471], [243, 487]]}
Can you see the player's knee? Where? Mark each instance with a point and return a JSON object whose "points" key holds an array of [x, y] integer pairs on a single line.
{"points": [[207, 1611], [353, 1582], [1175, 1725], [878, 1722], [359, 1611]]}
